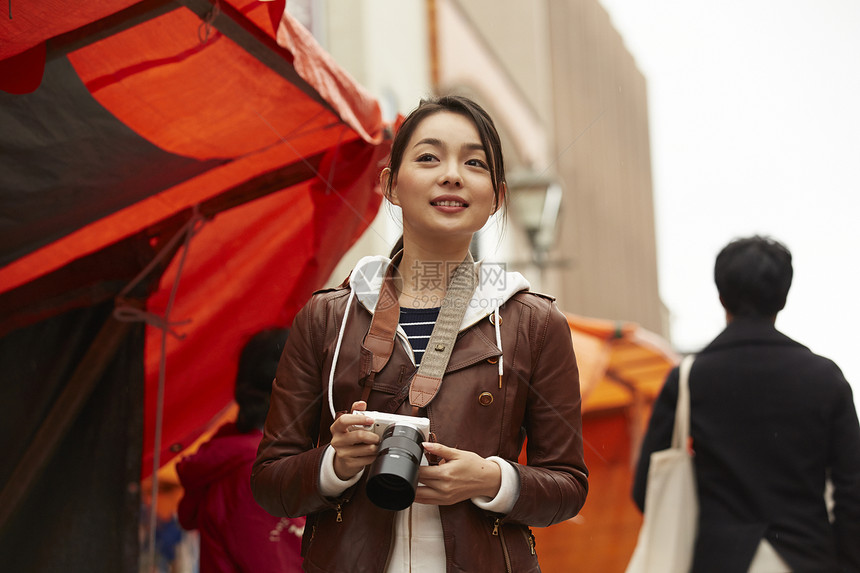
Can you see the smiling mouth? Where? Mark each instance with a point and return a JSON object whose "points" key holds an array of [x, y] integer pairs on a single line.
{"points": [[449, 204]]}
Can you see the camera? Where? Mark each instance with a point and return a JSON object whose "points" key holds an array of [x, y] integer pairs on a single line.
{"points": [[393, 475]]}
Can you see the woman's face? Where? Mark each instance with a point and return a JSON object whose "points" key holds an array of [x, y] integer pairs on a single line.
{"points": [[443, 185]]}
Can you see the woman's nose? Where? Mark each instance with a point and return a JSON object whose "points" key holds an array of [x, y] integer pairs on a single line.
{"points": [[452, 177]]}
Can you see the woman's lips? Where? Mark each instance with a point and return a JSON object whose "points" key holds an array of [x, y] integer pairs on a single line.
{"points": [[449, 205]]}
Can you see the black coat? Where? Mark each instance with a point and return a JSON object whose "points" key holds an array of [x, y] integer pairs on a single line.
{"points": [[770, 419]]}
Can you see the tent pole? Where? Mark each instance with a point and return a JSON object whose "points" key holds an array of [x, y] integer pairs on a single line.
{"points": [[63, 413]]}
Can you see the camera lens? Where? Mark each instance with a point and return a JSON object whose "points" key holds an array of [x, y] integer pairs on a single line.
{"points": [[393, 475]]}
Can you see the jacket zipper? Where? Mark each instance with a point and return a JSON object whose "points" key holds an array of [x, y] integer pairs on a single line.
{"points": [[339, 508], [530, 539], [498, 533]]}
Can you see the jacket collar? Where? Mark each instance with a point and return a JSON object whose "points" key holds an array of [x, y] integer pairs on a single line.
{"points": [[747, 331], [495, 286]]}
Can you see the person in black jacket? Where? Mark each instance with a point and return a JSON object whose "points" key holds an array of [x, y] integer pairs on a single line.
{"points": [[775, 434]]}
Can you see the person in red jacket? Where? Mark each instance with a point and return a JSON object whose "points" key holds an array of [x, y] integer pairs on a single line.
{"points": [[236, 534]]}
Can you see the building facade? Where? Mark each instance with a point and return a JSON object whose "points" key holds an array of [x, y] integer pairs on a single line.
{"points": [[572, 110]]}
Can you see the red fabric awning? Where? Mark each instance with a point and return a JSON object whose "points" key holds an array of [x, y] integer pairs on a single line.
{"points": [[126, 116]]}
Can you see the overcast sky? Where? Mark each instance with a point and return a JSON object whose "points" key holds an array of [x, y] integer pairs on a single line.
{"points": [[755, 128]]}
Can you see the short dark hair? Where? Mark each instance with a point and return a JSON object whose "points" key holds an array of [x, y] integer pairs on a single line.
{"points": [[257, 366], [753, 276], [455, 104]]}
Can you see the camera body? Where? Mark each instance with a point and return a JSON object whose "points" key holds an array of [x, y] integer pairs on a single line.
{"points": [[392, 479], [382, 420]]}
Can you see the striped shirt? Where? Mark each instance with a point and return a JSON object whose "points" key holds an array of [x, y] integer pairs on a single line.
{"points": [[418, 324]]}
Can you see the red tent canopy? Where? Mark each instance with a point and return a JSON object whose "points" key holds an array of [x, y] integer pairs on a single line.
{"points": [[129, 127]]}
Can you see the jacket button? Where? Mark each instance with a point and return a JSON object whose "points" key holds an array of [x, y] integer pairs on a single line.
{"points": [[493, 360], [485, 399]]}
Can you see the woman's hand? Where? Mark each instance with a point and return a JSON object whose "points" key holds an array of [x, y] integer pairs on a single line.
{"points": [[354, 448], [460, 475]]}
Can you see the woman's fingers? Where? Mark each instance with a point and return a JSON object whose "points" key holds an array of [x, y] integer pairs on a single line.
{"points": [[358, 455], [353, 451], [354, 446], [443, 452], [346, 422], [463, 475]]}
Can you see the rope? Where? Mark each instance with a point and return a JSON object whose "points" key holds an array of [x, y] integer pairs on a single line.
{"points": [[205, 27]]}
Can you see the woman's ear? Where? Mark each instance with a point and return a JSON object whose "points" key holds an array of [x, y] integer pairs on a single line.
{"points": [[500, 200], [385, 179]]}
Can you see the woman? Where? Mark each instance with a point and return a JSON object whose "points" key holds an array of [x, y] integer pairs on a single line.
{"points": [[511, 375]]}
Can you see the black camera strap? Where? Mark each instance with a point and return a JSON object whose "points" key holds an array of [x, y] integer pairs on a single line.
{"points": [[379, 340]]}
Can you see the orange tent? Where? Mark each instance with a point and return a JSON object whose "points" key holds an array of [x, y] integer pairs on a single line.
{"points": [[202, 163], [622, 368]]}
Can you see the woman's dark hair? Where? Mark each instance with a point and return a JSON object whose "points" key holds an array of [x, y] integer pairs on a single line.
{"points": [[257, 365], [753, 276], [398, 246], [467, 108]]}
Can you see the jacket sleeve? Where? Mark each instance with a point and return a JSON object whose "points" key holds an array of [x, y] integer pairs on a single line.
{"points": [[194, 479], [285, 474], [658, 436], [186, 511], [554, 483], [844, 462]]}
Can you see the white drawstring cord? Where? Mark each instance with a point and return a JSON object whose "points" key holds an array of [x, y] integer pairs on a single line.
{"points": [[337, 353], [497, 323]]}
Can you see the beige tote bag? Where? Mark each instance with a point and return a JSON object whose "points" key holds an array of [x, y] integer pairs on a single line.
{"points": [[668, 531]]}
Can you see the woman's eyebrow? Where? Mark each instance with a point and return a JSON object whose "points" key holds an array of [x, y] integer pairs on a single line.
{"points": [[435, 141], [429, 141]]}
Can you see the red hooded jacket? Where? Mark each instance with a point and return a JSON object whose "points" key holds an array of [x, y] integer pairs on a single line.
{"points": [[236, 534]]}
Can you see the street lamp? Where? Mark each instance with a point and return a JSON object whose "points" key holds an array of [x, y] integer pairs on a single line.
{"points": [[535, 202]]}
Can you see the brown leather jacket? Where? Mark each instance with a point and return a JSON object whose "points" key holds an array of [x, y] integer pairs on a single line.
{"points": [[539, 399]]}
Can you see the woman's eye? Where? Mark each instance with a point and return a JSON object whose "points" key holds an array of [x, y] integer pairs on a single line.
{"points": [[425, 157], [477, 163]]}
